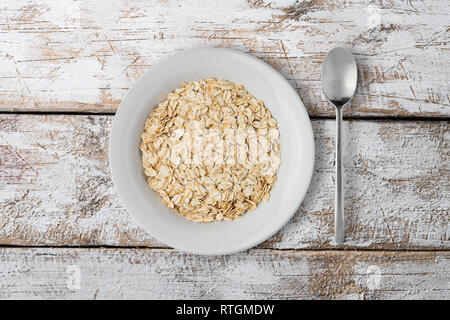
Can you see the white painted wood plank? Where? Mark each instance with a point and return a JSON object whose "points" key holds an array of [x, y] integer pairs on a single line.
{"points": [[44, 273], [83, 56], [55, 186]]}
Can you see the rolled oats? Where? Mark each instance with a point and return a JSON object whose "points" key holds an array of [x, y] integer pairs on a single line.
{"points": [[211, 151]]}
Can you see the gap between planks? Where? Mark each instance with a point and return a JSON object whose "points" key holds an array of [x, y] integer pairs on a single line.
{"points": [[312, 117], [253, 249]]}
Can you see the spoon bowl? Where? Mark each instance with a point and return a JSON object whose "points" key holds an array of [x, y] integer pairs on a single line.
{"points": [[339, 76]]}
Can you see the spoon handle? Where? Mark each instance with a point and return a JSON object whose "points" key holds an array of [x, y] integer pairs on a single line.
{"points": [[339, 201]]}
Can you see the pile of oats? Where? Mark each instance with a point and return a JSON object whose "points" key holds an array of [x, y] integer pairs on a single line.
{"points": [[211, 150]]}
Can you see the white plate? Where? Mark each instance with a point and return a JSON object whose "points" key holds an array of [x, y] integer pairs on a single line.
{"points": [[297, 151]]}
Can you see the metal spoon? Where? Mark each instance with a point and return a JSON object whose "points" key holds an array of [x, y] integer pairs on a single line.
{"points": [[339, 76]]}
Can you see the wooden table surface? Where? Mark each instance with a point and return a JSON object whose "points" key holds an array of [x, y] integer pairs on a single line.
{"points": [[66, 65]]}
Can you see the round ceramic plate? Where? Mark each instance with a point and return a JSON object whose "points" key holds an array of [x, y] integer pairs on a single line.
{"points": [[297, 151]]}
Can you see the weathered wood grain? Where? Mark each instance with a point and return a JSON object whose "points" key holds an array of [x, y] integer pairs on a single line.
{"points": [[257, 274], [55, 186], [83, 56]]}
